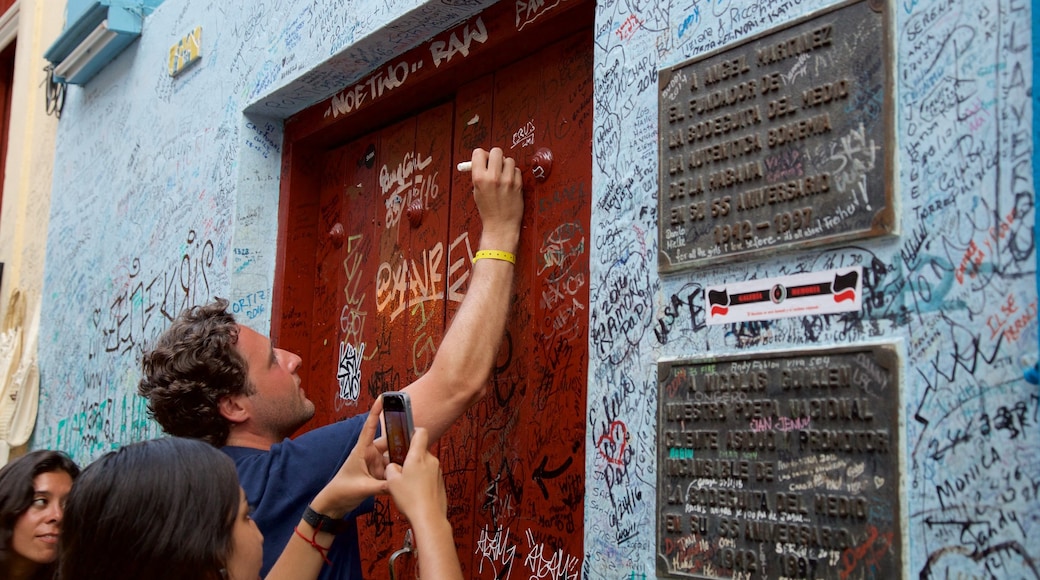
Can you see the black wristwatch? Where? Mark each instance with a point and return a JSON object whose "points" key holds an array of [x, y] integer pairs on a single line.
{"points": [[324, 523]]}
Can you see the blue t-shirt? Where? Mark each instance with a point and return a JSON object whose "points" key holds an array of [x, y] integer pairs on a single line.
{"points": [[281, 482]]}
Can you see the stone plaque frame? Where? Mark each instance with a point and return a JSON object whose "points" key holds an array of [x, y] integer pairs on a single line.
{"points": [[782, 141], [783, 464]]}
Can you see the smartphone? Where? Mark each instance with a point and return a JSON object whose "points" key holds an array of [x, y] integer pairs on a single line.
{"points": [[397, 412]]}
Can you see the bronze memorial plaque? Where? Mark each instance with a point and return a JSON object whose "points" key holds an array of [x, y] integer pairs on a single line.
{"points": [[784, 465], [782, 140]]}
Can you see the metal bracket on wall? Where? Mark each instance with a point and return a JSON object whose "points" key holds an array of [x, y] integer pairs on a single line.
{"points": [[92, 41]]}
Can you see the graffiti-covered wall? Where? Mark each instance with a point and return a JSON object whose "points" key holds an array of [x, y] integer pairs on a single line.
{"points": [[166, 187], [166, 193], [953, 292]]}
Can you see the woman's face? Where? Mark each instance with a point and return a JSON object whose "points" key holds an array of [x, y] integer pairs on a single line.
{"points": [[247, 545], [35, 536]]}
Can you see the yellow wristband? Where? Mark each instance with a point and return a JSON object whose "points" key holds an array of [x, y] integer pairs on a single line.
{"points": [[494, 255]]}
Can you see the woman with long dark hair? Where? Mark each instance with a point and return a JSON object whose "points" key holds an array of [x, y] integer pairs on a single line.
{"points": [[155, 509], [172, 508], [33, 488]]}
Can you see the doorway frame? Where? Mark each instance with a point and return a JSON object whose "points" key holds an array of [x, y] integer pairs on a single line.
{"points": [[319, 128]]}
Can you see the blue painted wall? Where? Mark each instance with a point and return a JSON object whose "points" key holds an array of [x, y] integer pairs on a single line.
{"points": [[165, 194]]}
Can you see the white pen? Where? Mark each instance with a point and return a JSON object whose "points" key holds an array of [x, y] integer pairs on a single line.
{"points": [[465, 166]]}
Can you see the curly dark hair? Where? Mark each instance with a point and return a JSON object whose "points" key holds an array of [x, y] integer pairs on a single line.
{"points": [[193, 366], [16, 495]]}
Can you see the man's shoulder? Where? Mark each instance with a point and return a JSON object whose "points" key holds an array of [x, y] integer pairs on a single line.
{"points": [[345, 431], [249, 462], [324, 448], [235, 452]]}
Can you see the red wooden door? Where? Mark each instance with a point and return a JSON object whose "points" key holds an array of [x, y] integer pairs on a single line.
{"points": [[397, 229], [381, 278], [524, 485]]}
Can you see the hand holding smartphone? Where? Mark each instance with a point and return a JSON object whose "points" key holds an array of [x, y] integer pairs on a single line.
{"points": [[397, 412]]}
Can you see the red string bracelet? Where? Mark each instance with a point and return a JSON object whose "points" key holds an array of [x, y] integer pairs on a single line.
{"points": [[314, 542]]}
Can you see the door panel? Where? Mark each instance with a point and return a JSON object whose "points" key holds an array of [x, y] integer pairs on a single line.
{"points": [[535, 465], [380, 280], [458, 447], [344, 290], [398, 230], [525, 482], [425, 224]]}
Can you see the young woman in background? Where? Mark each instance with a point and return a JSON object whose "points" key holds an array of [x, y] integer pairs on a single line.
{"points": [[172, 508], [33, 488]]}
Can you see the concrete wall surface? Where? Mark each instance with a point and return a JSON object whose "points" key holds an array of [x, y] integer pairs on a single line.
{"points": [[165, 193]]}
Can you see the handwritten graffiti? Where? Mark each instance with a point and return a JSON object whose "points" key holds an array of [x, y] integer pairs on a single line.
{"points": [[496, 551], [867, 554], [504, 490], [618, 326], [99, 425], [524, 136], [382, 517], [527, 11], [410, 282], [543, 562], [148, 301], [251, 305], [401, 176], [353, 316], [385, 80], [543, 472], [612, 444], [561, 249], [426, 327], [852, 159], [685, 311], [265, 139], [458, 42], [405, 185], [628, 28], [348, 373]]}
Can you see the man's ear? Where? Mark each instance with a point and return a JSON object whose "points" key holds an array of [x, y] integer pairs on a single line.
{"points": [[232, 409]]}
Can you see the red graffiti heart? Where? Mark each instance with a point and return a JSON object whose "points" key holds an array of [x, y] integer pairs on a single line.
{"points": [[612, 444]]}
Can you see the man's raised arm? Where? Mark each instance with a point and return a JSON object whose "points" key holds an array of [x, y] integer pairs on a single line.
{"points": [[458, 376]]}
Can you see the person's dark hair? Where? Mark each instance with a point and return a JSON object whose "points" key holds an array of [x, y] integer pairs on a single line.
{"points": [[17, 491], [162, 509], [193, 366]]}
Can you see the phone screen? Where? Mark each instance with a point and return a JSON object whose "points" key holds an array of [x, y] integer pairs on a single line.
{"points": [[397, 412]]}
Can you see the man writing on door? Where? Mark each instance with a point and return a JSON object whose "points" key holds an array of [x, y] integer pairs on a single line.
{"points": [[211, 378]]}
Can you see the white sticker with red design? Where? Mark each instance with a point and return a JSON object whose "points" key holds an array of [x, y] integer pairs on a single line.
{"points": [[808, 294]]}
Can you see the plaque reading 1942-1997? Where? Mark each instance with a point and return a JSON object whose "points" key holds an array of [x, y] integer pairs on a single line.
{"points": [[783, 465], [781, 140]]}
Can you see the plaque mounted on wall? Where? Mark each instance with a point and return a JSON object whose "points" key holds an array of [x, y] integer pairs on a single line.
{"points": [[783, 140], [782, 465]]}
